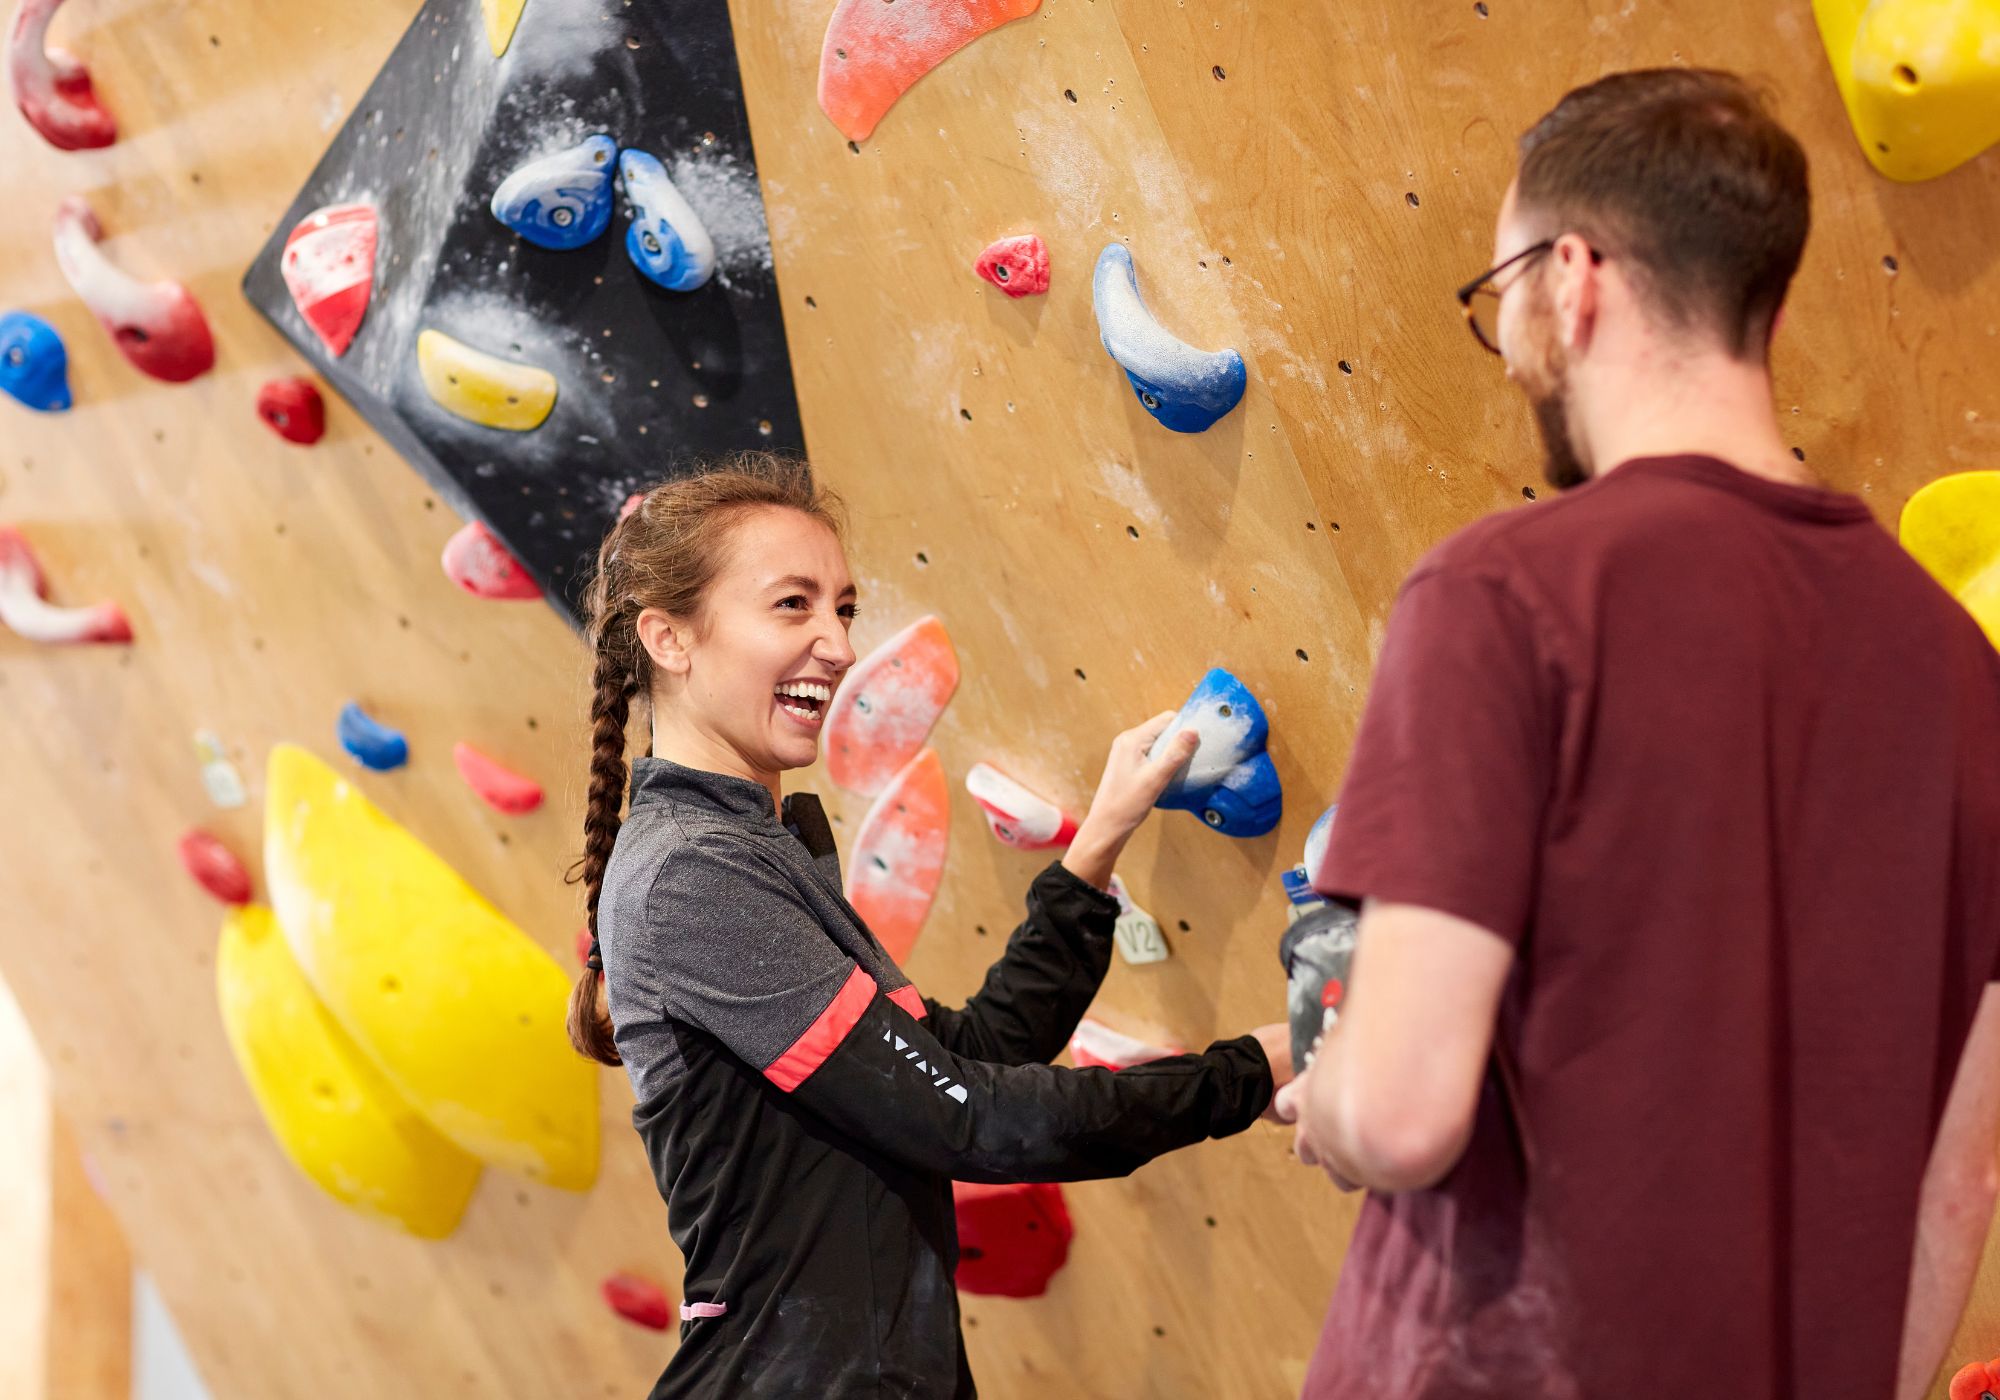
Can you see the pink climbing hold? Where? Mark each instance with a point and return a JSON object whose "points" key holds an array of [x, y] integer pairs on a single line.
{"points": [[51, 88], [157, 325], [500, 787], [1096, 1046], [632, 503], [874, 52], [215, 867], [329, 268], [1017, 266], [638, 1300], [294, 409], [477, 562], [582, 944], [1015, 815], [24, 609], [1011, 1238]]}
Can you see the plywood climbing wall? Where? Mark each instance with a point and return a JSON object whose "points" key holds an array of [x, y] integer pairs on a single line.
{"points": [[1304, 182]]}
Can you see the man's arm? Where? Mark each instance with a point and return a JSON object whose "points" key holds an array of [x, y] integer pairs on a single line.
{"points": [[1389, 1102], [1956, 1205]]}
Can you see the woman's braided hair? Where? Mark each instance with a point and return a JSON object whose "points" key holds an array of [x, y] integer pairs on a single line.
{"points": [[664, 552]]}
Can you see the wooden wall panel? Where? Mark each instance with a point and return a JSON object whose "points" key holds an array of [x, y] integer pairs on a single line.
{"points": [[1000, 474]]}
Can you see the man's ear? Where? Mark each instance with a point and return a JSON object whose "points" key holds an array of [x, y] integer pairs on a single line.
{"points": [[1576, 294], [666, 640]]}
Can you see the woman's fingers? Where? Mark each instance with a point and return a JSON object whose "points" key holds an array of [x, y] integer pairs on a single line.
{"points": [[1145, 734]]}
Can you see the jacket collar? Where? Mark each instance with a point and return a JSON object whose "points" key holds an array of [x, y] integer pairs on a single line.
{"points": [[741, 800]]}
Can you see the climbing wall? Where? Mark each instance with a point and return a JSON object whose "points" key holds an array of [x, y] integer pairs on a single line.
{"points": [[1301, 183]]}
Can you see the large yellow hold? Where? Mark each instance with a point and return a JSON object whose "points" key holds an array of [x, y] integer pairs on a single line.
{"points": [[455, 1005], [333, 1113], [1921, 79], [1952, 526], [483, 388]]}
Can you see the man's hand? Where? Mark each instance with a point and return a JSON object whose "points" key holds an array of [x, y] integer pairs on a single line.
{"points": [[1296, 1104]]}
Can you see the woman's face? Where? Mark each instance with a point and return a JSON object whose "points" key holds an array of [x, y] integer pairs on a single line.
{"points": [[753, 680]]}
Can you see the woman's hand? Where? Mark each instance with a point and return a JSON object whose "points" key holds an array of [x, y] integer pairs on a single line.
{"points": [[1132, 783], [1276, 1041]]}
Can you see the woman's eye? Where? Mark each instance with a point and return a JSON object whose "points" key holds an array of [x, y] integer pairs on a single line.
{"points": [[797, 600], [850, 612]]}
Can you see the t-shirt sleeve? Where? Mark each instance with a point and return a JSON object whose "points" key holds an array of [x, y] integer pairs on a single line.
{"points": [[735, 951], [1446, 789]]}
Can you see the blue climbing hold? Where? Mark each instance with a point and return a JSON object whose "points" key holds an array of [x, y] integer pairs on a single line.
{"points": [[1184, 388], [34, 366], [667, 240], [561, 201], [373, 744], [1230, 781], [1317, 841]]}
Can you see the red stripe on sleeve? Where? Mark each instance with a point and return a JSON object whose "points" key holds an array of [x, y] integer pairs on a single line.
{"points": [[810, 1050], [910, 999]]}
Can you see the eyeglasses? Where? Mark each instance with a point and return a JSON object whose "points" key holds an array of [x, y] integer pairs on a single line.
{"points": [[1481, 299]]}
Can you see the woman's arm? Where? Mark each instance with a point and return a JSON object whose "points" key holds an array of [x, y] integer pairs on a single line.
{"points": [[1040, 988], [1038, 991]]}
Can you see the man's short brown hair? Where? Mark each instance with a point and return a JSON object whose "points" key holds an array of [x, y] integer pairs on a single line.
{"points": [[1685, 175]]}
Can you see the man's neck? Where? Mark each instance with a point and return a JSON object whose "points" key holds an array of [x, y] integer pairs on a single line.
{"points": [[1706, 405]]}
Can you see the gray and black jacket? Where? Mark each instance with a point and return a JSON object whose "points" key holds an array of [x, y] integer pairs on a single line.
{"points": [[806, 1110]]}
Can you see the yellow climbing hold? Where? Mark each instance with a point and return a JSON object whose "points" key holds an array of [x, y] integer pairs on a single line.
{"points": [[1921, 79], [333, 1113], [501, 17], [455, 1005], [484, 388], [1952, 526]]}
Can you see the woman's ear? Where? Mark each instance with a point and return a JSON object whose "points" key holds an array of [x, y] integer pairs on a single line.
{"points": [[665, 639]]}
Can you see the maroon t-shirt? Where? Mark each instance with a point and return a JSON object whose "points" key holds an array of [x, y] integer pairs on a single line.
{"points": [[1722, 764]]}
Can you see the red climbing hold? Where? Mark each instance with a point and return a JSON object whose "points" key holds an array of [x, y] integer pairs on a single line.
{"points": [[23, 608], [329, 268], [1012, 1238], [631, 504], [1976, 1379], [215, 867], [293, 408], [51, 88], [1096, 1046], [638, 1300], [477, 562], [158, 326], [1017, 266], [502, 788]]}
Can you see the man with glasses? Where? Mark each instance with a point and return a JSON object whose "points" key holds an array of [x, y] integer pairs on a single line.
{"points": [[1667, 1054]]}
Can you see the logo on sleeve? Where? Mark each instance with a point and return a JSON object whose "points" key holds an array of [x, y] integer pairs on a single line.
{"points": [[914, 1056]]}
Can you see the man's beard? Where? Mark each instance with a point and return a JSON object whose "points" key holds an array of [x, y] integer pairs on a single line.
{"points": [[1562, 468]]}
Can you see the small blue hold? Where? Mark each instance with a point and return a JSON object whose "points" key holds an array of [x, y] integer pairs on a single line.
{"points": [[373, 744], [1230, 780], [561, 201], [1185, 389], [34, 366], [666, 240], [1317, 841]]}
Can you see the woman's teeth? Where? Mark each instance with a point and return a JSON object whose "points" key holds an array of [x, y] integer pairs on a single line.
{"points": [[809, 697]]}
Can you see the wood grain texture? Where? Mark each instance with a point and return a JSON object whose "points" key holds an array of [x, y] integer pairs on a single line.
{"points": [[1089, 566]]}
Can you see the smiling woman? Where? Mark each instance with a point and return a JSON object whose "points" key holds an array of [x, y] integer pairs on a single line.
{"points": [[786, 1072]]}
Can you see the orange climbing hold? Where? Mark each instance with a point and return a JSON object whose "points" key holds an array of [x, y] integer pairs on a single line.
{"points": [[1976, 1379], [215, 867], [898, 856], [874, 52], [884, 710]]}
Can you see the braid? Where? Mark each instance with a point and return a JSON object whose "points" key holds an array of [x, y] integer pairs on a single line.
{"points": [[614, 683]]}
